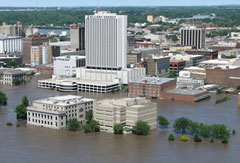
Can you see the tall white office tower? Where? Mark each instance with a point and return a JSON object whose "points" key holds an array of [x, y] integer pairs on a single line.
{"points": [[106, 41], [193, 36]]}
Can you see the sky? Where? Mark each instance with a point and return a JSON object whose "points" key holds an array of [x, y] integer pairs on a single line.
{"points": [[76, 3]]}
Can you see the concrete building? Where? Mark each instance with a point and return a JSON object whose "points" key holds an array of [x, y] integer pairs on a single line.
{"points": [[146, 44], [190, 60], [150, 18], [219, 62], [32, 40], [10, 44], [11, 30], [65, 66], [187, 79], [193, 36], [10, 76], [150, 87], [130, 42], [134, 57], [54, 112], [77, 37], [125, 111], [157, 65]]}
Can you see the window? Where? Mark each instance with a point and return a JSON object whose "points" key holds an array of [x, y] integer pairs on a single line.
{"points": [[62, 123], [56, 118]]}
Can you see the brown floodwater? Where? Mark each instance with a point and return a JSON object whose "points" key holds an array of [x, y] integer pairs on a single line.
{"points": [[30, 144]]}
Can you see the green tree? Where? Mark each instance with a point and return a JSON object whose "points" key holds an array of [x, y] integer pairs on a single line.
{"points": [[118, 129], [171, 137], [193, 127], [181, 124], [11, 64], [163, 121], [205, 131], [92, 126], [141, 128], [197, 138], [225, 140], [3, 98], [21, 112], [174, 38], [238, 87], [89, 116], [184, 138], [172, 74], [73, 124], [220, 131], [25, 101]]}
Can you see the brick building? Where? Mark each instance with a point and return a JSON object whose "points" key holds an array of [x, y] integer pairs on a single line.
{"points": [[177, 65], [224, 76], [150, 87], [208, 54]]}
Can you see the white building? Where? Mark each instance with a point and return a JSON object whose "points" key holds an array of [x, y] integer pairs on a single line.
{"points": [[125, 111], [186, 80], [53, 112], [66, 65], [10, 44]]}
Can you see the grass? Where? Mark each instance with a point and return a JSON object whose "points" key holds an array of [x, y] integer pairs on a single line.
{"points": [[223, 99]]}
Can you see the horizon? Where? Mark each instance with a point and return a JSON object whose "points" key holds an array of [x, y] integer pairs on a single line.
{"points": [[115, 3]]}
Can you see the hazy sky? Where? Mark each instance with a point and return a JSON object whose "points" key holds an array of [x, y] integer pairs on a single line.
{"points": [[45, 3]]}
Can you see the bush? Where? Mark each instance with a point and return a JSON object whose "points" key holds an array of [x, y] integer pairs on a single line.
{"points": [[92, 126], [225, 98], [89, 116], [219, 91], [181, 124], [21, 112], [233, 132], [163, 121], [197, 138], [3, 98], [17, 125], [141, 128], [73, 124], [25, 101], [9, 124], [184, 138], [171, 137], [211, 140], [225, 140], [118, 129]]}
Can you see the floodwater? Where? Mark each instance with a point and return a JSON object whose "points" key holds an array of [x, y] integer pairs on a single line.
{"points": [[30, 144]]}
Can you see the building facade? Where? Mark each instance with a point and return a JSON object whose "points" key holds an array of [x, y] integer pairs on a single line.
{"points": [[32, 40], [10, 44], [192, 36], [125, 111], [54, 112], [11, 76], [11, 30], [77, 37]]}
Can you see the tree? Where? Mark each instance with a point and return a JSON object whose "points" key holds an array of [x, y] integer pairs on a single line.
{"points": [[9, 124], [197, 138], [225, 140], [219, 131], [3, 98], [181, 124], [174, 38], [171, 137], [193, 127], [21, 112], [172, 74], [25, 101], [184, 138], [73, 124], [11, 64], [233, 132], [205, 131], [92, 126], [163, 121], [89, 115], [238, 87], [118, 129], [141, 128]]}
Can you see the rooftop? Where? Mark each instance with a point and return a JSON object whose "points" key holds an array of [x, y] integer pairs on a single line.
{"points": [[152, 80], [186, 91]]}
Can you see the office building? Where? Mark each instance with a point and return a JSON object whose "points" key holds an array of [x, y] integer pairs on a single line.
{"points": [[54, 112], [77, 37], [10, 44], [207, 53], [189, 80], [193, 36], [32, 40], [11, 30], [125, 111], [130, 42], [157, 65], [65, 66]]}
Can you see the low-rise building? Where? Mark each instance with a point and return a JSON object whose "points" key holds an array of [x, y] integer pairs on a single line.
{"points": [[150, 87], [54, 112], [11, 76], [186, 79], [65, 66], [125, 111], [207, 53]]}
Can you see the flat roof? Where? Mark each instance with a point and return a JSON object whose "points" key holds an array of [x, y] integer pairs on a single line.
{"points": [[185, 91], [152, 80]]}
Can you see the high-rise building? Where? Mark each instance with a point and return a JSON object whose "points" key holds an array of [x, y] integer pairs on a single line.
{"points": [[33, 40], [11, 30], [77, 37], [193, 36], [10, 44], [106, 41]]}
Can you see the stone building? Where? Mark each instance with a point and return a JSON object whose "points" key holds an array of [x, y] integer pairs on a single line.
{"points": [[11, 76]]}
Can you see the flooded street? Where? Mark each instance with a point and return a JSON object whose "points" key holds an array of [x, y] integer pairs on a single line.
{"points": [[34, 144]]}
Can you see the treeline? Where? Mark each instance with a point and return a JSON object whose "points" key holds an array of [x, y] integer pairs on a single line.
{"points": [[226, 16]]}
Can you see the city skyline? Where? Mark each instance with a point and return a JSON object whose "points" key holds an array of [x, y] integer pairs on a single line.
{"points": [[79, 3]]}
